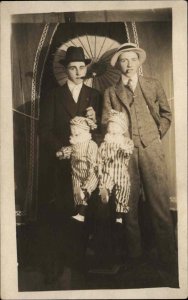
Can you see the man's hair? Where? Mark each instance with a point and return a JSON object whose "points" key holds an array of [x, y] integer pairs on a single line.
{"points": [[66, 65]]}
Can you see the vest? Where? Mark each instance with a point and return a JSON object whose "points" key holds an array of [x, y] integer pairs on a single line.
{"points": [[144, 128]]}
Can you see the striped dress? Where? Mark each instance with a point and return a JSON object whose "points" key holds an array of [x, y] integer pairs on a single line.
{"points": [[83, 163], [113, 162]]}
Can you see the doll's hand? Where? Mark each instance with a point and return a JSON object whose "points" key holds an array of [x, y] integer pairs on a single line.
{"points": [[79, 194], [63, 153], [104, 195], [128, 147], [67, 152], [60, 155], [90, 113]]}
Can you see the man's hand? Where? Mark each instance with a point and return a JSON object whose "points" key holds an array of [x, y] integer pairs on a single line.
{"points": [[159, 138], [104, 195], [90, 113]]}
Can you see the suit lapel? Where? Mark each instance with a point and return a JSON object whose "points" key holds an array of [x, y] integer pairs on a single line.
{"points": [[68, 101], [147, 90], [83, 100], [121, 93]]}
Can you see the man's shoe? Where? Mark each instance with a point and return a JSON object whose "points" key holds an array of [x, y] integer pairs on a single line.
{"points": [[79, 218]]}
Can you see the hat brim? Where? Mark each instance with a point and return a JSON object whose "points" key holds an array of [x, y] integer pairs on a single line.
{"points": [[65, 62], [141, 55]]}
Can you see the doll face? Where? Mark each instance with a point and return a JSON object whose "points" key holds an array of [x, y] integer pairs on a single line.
{"points": [[76, 70], [115, 133], [114, 129], [78, 135], [76, 131]]}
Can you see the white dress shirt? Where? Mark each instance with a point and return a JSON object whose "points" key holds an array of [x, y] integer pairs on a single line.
{"points": [[74, 89], [133, 79]]}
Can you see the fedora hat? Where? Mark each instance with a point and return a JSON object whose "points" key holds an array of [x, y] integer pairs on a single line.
{"points": [[74, 54], [125, 48]]}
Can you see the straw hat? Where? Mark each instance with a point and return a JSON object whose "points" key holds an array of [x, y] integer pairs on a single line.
{"points": [[125, 48]]}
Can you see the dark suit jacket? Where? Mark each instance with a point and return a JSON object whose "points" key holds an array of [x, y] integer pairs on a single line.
{"points": [[115, 98], [57, 109]]}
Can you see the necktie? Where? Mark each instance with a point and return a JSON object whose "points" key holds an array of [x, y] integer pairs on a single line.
{"points": [[75, 93], [129, 85]]}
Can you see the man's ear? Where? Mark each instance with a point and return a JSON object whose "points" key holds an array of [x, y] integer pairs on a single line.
{"points": [[139, 59], [117, 66], [66, 69]]}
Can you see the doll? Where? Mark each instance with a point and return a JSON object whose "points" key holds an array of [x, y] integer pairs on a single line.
{"points": [[113, 158], [83, 155]]}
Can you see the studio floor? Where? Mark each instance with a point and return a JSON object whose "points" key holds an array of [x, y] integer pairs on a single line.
{"points": [[42, 265]]}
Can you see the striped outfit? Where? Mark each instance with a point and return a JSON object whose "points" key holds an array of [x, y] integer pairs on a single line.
{"points": [[113, 162], [83, 163]]}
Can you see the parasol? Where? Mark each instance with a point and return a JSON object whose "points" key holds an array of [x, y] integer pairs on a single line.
{"points": [[100, 74]]}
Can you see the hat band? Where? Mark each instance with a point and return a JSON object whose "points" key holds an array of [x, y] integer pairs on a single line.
{"points": [[75, 59], [126, 47]]}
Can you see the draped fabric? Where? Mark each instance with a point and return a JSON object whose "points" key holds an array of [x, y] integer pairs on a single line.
{"points": [[30, 46], [33, 47]]}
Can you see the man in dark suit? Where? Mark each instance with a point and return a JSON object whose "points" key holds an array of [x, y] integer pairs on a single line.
{"points": [[144, 101], [61, 105]]}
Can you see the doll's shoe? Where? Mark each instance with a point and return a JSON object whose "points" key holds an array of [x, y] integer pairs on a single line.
{"points": [[119, 220], [79, 218]]}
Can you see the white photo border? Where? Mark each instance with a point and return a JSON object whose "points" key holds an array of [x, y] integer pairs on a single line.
{"points": [[9, 277]]}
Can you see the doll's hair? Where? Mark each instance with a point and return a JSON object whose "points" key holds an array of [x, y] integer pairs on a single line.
{"points": [[84, 123], [119, 118]]}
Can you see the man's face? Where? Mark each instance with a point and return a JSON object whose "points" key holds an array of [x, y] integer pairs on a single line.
{"points": [[76, 70], [128, 63]]}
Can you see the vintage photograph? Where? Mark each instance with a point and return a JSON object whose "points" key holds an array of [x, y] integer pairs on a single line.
{"points": [[94, 150]]}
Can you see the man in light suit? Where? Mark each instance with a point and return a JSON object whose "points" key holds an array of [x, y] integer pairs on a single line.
{"points": [[144, 101]]}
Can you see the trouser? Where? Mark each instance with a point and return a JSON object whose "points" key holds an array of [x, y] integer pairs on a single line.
{"points": [[122, 192], [147, 167]]}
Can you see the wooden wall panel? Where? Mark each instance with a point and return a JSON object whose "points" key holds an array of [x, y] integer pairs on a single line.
{"points": [[156, 39], [156, 15]]}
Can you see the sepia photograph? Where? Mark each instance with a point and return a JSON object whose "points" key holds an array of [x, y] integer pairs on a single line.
{"points": [[95, 159]]}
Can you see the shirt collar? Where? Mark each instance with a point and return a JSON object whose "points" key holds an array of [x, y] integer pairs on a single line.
{"points": [[72, 85], [134, 79]]}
